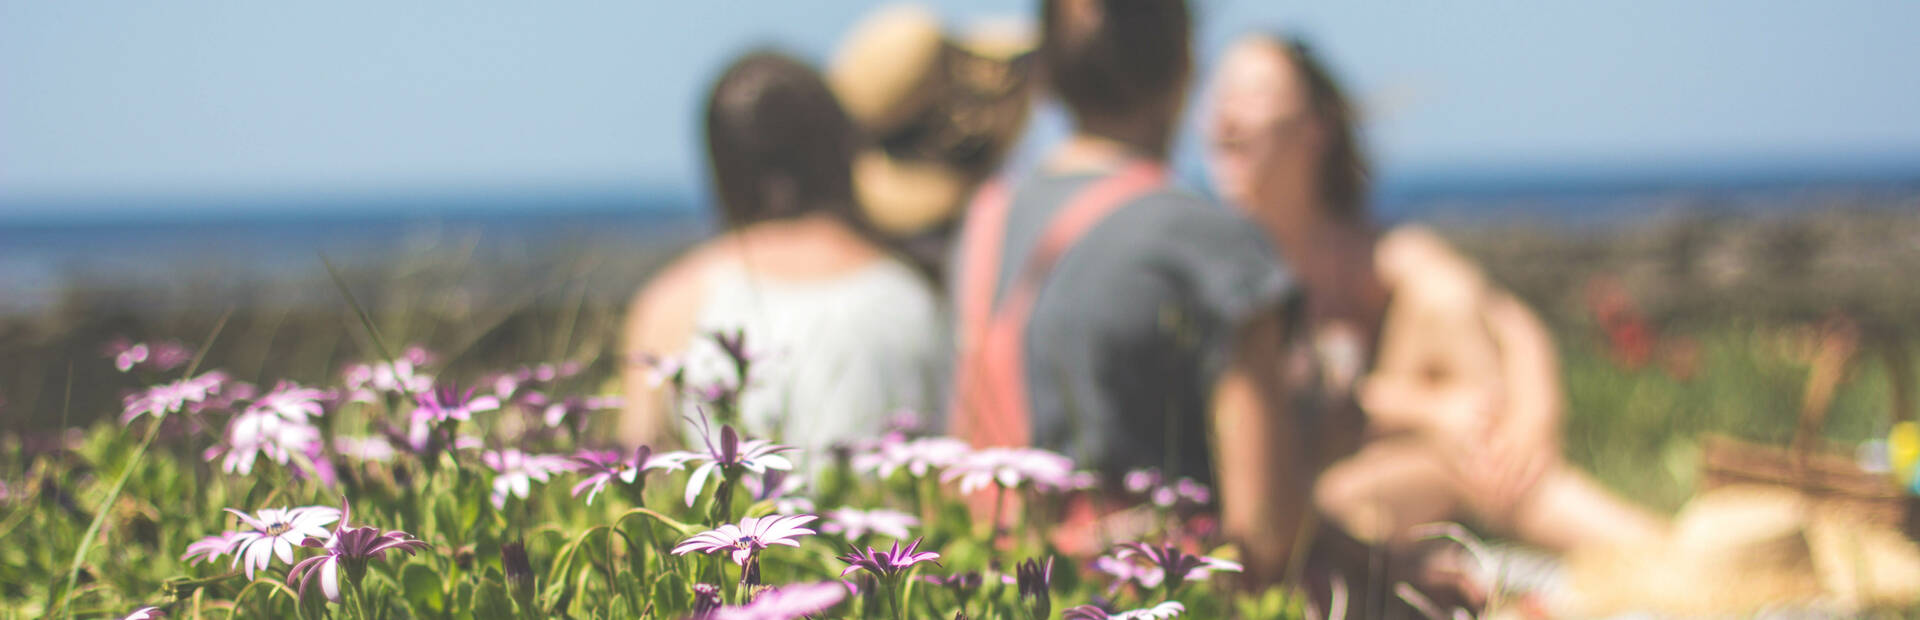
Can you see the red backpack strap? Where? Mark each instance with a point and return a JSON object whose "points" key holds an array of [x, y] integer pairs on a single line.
{"points": [[981, 238], [990, 406]]}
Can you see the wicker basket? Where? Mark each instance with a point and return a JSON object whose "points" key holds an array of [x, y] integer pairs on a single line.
{"points": [[1826, 474]]}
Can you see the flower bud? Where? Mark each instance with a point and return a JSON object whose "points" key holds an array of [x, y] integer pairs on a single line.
{"points": [[1035, 581], [706, 599], [519, 572]]}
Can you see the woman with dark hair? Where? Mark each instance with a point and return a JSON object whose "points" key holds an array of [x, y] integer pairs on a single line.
{"points": [[842, 332], [1458, 379]]}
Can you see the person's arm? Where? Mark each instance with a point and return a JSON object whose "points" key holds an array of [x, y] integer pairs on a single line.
{"points": [[1437, 373], [1262, 467], [645, 400], [1529, 365], [659, 321], [1523, 441]]}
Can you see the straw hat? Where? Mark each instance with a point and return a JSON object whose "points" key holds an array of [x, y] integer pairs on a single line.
{"points": [[940, 110], [1741, 549]]}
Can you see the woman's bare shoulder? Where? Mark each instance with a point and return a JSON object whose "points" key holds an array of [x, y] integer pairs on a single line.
{"points": [[662, 311], [1418, 263]]}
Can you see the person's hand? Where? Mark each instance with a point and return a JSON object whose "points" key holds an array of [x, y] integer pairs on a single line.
{"points": [[1497, 460], [1503, 474]]}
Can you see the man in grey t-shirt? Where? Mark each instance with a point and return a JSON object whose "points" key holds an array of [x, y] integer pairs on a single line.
{"points": [[1135, 322], [1105, 315]]}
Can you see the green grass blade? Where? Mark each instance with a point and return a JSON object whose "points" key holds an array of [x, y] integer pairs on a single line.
{"points": [[366, 320]]}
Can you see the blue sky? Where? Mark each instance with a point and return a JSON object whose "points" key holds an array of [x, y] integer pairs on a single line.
{"points": [[196, 98]]}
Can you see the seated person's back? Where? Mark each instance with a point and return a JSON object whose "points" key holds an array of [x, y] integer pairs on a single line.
{"points": [[1135, 322], [841, 333]]}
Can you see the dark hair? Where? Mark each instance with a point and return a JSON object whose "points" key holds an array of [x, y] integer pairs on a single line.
{"points": [[1124, 54], [1343, 165], [778, 143]]}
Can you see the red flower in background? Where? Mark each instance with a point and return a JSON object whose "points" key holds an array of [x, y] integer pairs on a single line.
{"points": [[1632, 341]]}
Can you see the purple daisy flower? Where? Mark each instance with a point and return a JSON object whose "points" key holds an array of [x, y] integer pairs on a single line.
{"points": [[226, 398], [275, 532], [890, 563], [447, 402], [349, 546], [785, 603], [366, 382], [126, 355], [262, 432], [574, 408], [1010, 468], [146, 613], [1124, 572], [154, 357], [418, 355], [516, 471], [1191, 492], [507, 384], [437, 412], [919, 457], [747, 538], [1141, 481], [1169, 609], [627, 471], [661, 369], [160, 400], [210, 548], [780, 488], [854, 523], [754, 455], [290, 401], [1169, 565], [371, 448], [1184, 492]]}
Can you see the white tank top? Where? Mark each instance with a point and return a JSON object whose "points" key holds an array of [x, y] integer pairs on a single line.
{"points": [[833, 358]]}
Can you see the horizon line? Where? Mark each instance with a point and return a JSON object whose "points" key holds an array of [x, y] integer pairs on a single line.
{"points": [[612, 196]]}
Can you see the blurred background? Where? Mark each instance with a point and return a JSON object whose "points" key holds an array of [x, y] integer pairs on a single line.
{"points": [[1684, 190]]}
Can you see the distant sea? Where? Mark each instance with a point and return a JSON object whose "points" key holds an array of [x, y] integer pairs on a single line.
{"points": [[142, 240]]}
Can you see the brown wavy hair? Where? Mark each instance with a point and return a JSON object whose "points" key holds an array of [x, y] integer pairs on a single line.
{"points": [[778, 143], [1345, 175]]}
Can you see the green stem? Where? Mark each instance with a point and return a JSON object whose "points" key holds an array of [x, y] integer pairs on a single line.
{"points": [[646, 545], [1027, 506], [999, 504], [899, 602], [364, 602], [723, 501]]}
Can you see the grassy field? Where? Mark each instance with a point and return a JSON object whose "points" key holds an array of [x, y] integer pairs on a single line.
{"points": [[1637, 428]]}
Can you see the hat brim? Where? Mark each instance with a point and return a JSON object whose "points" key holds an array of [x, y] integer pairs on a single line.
{"points": [[902, 198]]}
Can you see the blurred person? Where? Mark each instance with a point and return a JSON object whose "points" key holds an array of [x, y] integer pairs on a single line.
{"points": [[1127, 323], [1459, 381], [939, 112], [842, 333]]}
